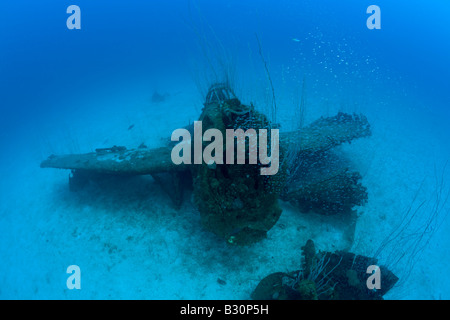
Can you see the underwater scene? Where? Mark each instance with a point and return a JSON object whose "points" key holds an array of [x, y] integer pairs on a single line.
{"points": [[224, 150]]}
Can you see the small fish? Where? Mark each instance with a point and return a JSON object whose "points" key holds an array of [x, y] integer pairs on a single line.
{"points": [[131, 127], [295, 40], [142, 146], [157, 97]]}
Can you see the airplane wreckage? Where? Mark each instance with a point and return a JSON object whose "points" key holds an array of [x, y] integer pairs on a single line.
{"points": [[236, 202]]}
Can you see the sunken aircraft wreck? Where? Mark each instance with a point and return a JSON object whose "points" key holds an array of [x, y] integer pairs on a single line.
{"points": [[240, 205], [236, 202]]}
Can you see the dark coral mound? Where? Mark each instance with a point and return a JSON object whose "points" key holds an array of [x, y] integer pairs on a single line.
{"points": [[236, 202], [336, 275]]}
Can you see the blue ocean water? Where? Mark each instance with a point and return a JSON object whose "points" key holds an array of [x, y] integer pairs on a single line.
{"points": [[71, 91]]}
